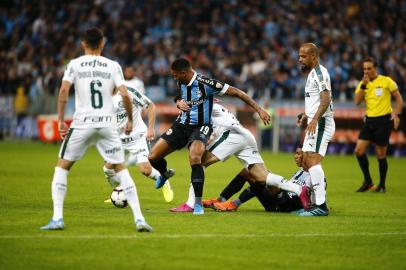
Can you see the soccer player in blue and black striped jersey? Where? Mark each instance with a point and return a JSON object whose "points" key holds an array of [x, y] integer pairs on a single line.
{"points": [[193, 126]]}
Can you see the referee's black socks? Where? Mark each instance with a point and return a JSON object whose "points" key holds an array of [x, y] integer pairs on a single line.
{"points": [[364, 164], [197, 180], [383, 169]]}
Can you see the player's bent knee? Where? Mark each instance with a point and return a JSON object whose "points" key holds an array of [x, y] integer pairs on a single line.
{"points": [[359, 152], [195, 159]]}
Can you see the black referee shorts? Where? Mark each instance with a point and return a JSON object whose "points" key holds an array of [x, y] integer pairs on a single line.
{"points": [[179, 135], [376, 130]]}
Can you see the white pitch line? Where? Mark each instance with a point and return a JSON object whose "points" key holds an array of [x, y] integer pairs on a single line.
{"points": [[60, 235]]}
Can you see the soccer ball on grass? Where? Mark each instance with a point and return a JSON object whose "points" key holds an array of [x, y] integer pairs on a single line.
{"points": [[118, 198]]}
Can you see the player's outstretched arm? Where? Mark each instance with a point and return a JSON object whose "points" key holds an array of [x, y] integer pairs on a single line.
{"points": [[265, 117], [127, 102], [62, 100]]}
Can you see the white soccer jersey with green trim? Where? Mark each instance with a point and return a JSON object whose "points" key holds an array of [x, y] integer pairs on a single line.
{"points": [[94, 78], [318, 80], [140, 101]]}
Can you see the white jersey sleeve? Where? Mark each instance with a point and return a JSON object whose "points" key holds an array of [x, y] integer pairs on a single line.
{"points": [[139, 99], [70, 73], [322, 79], [118, 77]]}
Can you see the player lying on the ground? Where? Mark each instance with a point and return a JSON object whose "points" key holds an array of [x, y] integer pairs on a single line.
{"points": [[137, 142], [231, 138], [272, 199]]}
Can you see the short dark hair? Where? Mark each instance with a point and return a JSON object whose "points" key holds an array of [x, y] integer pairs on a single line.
{"points": [[181, 64], [93, 37], [371, 60]]}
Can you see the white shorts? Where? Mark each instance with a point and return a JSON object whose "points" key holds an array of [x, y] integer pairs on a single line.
{"points": [[106, 139], [242, 145], [318, 142], [137, 146]]}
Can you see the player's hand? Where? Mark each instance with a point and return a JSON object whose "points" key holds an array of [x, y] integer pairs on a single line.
{"points": [[301, 120], [365, 79], [265, 117], [63, 129], [311, 127], [396, 121], [150, 134], [182, 105], [128, 127]]}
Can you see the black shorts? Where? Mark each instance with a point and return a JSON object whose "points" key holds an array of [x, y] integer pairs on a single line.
{"points": [[179, 135], [282, 201], [376, 130]]}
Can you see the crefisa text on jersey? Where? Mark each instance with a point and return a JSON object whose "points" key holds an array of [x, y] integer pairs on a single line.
{"points": [[93, 64]]}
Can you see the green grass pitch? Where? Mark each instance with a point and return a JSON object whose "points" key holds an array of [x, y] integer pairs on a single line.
{"points": [[364, 231]]}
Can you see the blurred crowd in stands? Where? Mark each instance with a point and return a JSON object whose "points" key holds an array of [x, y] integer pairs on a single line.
{"points": [[251, 44]]}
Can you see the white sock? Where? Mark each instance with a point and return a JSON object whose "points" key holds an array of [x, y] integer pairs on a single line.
{"points": [[130, 191], [191, 200], [59, 189], [132, 160], [111, 177], [319, 187], [154, 174], [282, 183]]}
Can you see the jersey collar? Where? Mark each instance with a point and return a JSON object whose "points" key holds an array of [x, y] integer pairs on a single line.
{"points": [[193, 79]]}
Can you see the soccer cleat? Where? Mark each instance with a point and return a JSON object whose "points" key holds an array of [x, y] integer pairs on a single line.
{"points": [[304, 197], [160, 182], [314, 212], [365, 187], [142, 226], [169, 173], [167, 192], [54, 225], [182, 208], [297, 212], [162, 179], [108, 200], [225, 206], [209, 202], [198, 209], [380, 189]]}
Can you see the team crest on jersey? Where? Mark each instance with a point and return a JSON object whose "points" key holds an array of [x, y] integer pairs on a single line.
{"points": [[199, 94], [120, 104], [169, 132]]}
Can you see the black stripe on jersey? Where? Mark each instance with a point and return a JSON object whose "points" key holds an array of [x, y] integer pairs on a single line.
{"points": [[298, 176], [188, 98], [200, 107]]}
